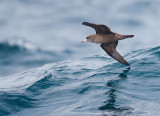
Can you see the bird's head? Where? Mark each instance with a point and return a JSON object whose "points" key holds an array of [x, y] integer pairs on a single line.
{"points": [[89, 39]]}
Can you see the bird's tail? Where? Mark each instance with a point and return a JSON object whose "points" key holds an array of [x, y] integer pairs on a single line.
{"points": [[128, 36], [121, 37]]}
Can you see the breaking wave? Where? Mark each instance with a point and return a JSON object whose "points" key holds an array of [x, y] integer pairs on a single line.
{"points": [[93, 85]]}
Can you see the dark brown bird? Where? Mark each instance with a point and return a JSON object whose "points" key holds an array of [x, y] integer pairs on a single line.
{"points": [[108, 40]]}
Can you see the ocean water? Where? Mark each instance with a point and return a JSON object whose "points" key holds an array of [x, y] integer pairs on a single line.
{"points": [[46, 71], [93, 85]]}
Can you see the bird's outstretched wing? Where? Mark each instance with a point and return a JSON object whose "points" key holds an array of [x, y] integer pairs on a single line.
{"points": [[110, 49], [100, 29]]}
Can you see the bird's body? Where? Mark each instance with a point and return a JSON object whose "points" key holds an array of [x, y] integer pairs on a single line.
{"points": [[108, 40], [102, 38]]}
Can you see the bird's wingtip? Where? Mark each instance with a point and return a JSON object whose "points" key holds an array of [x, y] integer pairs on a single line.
{"points": [[127, 64], [84, 23]]}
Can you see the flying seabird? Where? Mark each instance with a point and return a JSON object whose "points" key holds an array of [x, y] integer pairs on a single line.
{"points": [[108, 40]]}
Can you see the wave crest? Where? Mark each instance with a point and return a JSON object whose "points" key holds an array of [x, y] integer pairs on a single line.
{"points": [[89, 83], [15, 44]]}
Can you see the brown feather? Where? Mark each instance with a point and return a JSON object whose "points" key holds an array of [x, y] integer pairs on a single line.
{"points": [[110, 49], [100, 29]]}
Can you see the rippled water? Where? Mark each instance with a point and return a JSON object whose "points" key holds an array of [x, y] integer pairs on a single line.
{"points": [[89, 86], [46, 71], [17, 55]]}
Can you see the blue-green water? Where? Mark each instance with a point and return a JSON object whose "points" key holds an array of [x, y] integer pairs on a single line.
{"points": [[94, 85]]}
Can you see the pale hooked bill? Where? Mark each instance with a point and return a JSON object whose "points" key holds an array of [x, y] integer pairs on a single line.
{"points": [[84, 41]]}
